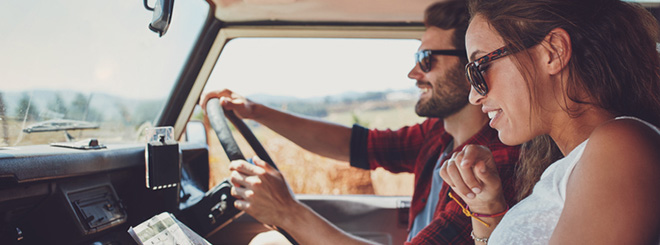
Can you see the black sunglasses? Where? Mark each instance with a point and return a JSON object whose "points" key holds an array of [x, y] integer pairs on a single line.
{"points": [[423, 57], [474, 69]]}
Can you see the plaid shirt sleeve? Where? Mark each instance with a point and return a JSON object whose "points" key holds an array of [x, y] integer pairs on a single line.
{"points": [[399, 151], [450, 225], [394, 150], [506, 159]]}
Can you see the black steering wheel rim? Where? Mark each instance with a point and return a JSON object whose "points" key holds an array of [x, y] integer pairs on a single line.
{"points": [[217, 116]]}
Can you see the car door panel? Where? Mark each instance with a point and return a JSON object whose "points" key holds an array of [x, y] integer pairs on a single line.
{"points": [[376, 218]]}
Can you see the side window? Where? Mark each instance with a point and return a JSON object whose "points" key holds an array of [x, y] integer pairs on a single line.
{"points": [[345, 81]]}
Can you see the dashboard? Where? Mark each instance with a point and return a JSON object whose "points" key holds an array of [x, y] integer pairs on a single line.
{"points": [[78, 196]]}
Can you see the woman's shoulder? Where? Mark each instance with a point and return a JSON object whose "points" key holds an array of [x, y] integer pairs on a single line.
{"points": [[616, 178], [623, 140], [624, 132]]}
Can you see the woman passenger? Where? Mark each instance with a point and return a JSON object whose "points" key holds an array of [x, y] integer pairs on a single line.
{"points": [[587, 74]]}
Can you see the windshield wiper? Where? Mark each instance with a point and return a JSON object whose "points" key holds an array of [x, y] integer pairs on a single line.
{"points": [[60, 125]]}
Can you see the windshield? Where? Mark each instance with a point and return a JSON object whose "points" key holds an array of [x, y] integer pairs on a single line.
{"points": [[341, 80], [72, 70]]}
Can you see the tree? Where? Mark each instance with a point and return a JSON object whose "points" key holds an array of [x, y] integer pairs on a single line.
{"points": [[56, 108], [3, 118], [124, 113], [78, 107], [26, 109], [146, 111]]}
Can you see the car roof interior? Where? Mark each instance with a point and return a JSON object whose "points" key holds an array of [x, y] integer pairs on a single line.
{"points": [[374, 11], [321, 10]]}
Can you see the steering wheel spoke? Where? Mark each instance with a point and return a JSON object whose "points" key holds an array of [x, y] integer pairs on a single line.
{"points": [[217, 117]]}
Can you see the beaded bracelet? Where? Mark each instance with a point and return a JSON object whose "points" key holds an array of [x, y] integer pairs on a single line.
{"points": [[476, 216], [479, 239]]}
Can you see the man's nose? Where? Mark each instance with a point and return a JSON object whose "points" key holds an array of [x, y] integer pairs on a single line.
{"points": [[416, 73]]}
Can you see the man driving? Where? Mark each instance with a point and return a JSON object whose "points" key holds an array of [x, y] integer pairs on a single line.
{"points": [[451, 124]]}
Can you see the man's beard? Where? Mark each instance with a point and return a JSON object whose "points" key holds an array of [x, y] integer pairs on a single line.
{"points": [[449, 95]]}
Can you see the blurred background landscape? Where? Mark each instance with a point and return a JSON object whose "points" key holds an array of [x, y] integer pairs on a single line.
{"points": [[121, 119], [308, 173]]}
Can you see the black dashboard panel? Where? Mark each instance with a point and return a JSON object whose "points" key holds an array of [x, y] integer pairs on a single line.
{"points": [[43, 162], [52, 195]]}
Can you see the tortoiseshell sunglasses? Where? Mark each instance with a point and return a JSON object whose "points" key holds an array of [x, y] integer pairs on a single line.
{"points": [[474, 69]]}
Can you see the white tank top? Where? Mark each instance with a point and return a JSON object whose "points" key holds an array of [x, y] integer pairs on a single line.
{"points": [[533, 219]]}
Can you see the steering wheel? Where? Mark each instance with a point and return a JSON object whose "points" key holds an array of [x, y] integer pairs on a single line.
{"points": [[216, 116]]}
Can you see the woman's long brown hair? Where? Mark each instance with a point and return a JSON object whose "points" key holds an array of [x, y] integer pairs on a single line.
{"points": [[614, 63]]}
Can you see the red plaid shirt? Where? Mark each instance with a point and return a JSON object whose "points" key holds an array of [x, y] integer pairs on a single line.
{"points": [[416, 149]]}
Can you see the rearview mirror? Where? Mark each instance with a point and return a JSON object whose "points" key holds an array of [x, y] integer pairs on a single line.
{"points": [[162, 15]]}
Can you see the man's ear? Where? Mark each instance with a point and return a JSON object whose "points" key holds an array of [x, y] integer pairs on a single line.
{"points": [[557, 47]]}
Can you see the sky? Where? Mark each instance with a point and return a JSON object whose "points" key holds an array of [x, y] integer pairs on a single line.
{"points": [[93, 45], [105, 46], [304, 67]]}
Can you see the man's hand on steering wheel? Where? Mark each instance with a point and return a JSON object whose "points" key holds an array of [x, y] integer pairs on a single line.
{"points": [[247, 184], [261, 191], [229, 100]]}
